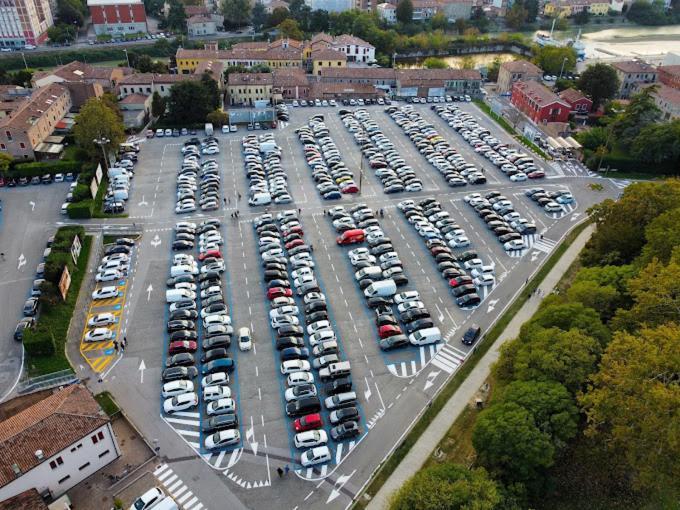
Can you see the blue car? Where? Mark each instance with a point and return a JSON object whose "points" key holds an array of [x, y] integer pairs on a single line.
{"points": [[332, 195], [219, 365]]}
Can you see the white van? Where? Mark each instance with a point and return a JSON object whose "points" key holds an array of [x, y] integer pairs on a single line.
{"points": [[183, 270], [425, 336], [174, 295], [166, 504], [260, 199], [114, 171], [120, 194], [371, 271], [64, 208], [382, 288], [335, 370]]}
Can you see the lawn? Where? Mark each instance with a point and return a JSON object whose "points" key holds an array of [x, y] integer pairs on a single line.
{"points": [[108, 404]]}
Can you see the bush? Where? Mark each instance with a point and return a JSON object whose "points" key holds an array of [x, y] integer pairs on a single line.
{"points": [[80, 210], [44, 167], [628, 164], [39, 341], [82, 192]]}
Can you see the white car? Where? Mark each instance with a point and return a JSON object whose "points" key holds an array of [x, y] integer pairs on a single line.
{"points": [[245, 341], [174, 388], [290, 394], [310, 438], [98, 335], [298, 378], [484, 280], [321, 336], [318, 326], [410, 305], [515, 244], [553, 207], [315, 456], [411, 295], [186, 285], [218, 378], [473, 263], [214, 319], [295, 365], [101, 319], [212, 393], [183, 258], [185, 225], [221, 406], [105, 293], [283, 310], [459, 242], [150, 497], [222, 438], [284, 320], [519, 177], [180, 403]]}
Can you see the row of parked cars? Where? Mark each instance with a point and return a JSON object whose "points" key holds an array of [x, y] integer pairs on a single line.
{"points": [[550, 201], [466, 273], [439, 152], [196, 175], [329, 172], [12, 182], [501, 218], [120, 177], [389, 166], [262, 163], [282, 248], [196, 303], [517, 165]]}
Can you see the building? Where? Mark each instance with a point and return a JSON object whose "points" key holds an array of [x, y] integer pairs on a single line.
{"points": [[202, 24], [11, 97], [566, 8], [214, 69], [355, 49], [577, 101], [437, 82], [26, 127], [148, 83], [539, 103], [322, 90], [456, 9], [517, 70], [324, 58], [633, 73], [135, 108], [424, 9], [384, 78], [330, 5], [24, 22], [289, 84], [668, 100], [669, 75], [387, 12], [56, 443], [281, 55], [117, 17], [247, 89], [27, 500]]}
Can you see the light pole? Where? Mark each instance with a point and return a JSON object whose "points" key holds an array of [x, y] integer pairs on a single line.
{"points": [[127, 56], [564, 61], [102, 142], [24, 57]]}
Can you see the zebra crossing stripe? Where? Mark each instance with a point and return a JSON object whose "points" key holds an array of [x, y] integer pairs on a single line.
{"points": [[180, 491], [179, 421], [422, 355], [444, 366], [191, 433], [185, 497], [160, 469], [174, 486], [197, 507], [186, 414], [218, 462], [170, 480], [338, 453], [191, 502], [449, 357], [165, 475]]}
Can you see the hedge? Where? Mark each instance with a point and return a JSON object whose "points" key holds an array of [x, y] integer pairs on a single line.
{"points": [[81, 210], [44, 167], [627, 164]]}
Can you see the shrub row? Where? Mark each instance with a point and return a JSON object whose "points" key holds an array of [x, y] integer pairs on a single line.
{"points": [[35, 168]]}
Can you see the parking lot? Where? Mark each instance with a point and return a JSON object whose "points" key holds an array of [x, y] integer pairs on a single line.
{"points": [[392, 386]]}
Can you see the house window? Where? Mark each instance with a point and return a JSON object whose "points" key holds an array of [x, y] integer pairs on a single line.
{"points": [[9, 135], [2, 146], [22, 145], [83, 466], [65, 478], [104, 453], [55, 463]]}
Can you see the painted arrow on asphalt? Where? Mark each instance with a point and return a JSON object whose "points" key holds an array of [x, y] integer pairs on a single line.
{"points": [[22, 261], [574, 216], [142, 367], [339, 484], [143, 202], [430, 379], [149, 290], [32, 205], [156, 241], [492, 305], [534, 255], [367, 392]]}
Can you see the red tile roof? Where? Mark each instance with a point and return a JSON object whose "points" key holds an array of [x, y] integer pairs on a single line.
{"points": [[35, 106], [572, 95], [50, 425], [290, 78], [134, 99], [27, 500], [522, 66], [328, 54], [634, 66], [539, 93], [250, 79]]}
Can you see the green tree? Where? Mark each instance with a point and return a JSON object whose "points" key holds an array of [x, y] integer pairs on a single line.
{"points": [[447, 487], [153, 7], [647, 13], [551, 58], [439, 21], [460, 25], [492, 70], [319, 21], [211, 90], [259, 15], [95, 121], [71, 12], [599, 82], [552, 407], [177, 16], [218, 118], [290, 28], [532, 9], [640, 112], [568, 316], [61, 33], [633, 405], [158, 105], [480, 20], [517, 16], [593, 138], [189, 103], [5, 162], [236, 13], [404, 11], [663, 236], [510, 445], [582, 17], [277, 16], [467, 62], [602, 298], [435, 63], [658, 143]]}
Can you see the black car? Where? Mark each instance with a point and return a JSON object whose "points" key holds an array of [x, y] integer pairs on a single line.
{"points": [[30, 307], [305, 405], [217, 299], [178, 372], [117, 249], [290, 353], [218, 341], [279, 283], [213, 354], [183, 359], [185, 278], [381, 248], [467, 255], [182, 245], [290, 330], [273, 275], [468, 300], [471, 335], [287, 342], [377, 302], [215, 308], [418, 325], [177, 325], [221, 422], [125, 241], [315, 306], [386, 319], [183, 334], [400, 279], [345, 430], [393, 342], [210, 275], [316, 316], [23, 325], [183, 315], [451, 273], [346, 414], [339, 385], [414, 314]]}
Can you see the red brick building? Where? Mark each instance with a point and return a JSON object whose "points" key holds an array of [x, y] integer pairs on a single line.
{"points": [[669, 75], [579, 103], [117, 17], [539, 103]]}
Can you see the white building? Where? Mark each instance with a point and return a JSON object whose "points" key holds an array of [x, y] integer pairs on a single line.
{"points": [[387, 12], [355, 49], [55, 444], [24, 22]]}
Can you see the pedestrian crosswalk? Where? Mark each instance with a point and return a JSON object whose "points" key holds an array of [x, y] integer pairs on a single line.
{"points": [[188, 425], [177, 489], [448, 358], [620, 183], [411, 367], [538, 242]]}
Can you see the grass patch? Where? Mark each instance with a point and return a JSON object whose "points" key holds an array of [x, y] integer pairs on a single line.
{"points": [[447, 392], [108, 404], [57, 319], [506, 125]]}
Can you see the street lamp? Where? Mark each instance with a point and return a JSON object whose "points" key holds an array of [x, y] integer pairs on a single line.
{"points": [[127, 56], [102, 142], [564, 61]]}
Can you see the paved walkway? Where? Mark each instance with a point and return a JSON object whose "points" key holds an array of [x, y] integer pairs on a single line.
{"points": [[432, 436]]}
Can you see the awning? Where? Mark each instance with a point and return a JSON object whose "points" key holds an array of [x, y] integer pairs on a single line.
{"points": [[554, 143], [573, 143], [49, 148]]}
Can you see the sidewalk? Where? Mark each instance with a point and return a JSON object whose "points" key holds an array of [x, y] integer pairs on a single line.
{"points": [[420, 452]]}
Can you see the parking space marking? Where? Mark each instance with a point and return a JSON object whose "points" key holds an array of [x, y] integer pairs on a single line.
{"points": [[176, 487]]}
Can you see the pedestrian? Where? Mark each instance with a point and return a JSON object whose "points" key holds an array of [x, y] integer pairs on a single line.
{"points": [[115, 345], [239, 196], [228, 200], [299, 211], [382, 213], [125, 340], [286, 469], [324, 212], [311, 248], [541, 236], [2, 255], [279, 471], [237, 213], [225, 201], [527, 281]]}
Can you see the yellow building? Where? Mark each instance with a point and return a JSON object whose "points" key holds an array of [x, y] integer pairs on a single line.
{"points": [[326, 58], [275, 56], [245, 89], [567, 8]]}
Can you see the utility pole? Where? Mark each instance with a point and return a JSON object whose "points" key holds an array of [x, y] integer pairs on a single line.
{"points": [[127, 57], [102, 143]]}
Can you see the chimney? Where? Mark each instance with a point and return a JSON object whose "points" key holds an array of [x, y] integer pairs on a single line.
{"points": [[16, 469], [39, 455]]}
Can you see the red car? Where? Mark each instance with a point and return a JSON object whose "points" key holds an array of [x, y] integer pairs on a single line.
{"points": [[182, 346], [210, 253], [388, 330], [352, 188], [293, 230], [460, 280], [536, 175], [278, 292], [436, 250], [294, 243], [351, 237], [308, 422]]}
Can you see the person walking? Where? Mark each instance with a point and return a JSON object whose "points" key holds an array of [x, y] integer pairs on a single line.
{"points": [[279, 471], [286, 469], [115, 345]]}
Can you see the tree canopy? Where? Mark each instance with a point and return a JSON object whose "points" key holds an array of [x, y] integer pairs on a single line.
{"points": [[435, 63], [290, 28], [640, 112], [177, 16], [236, 13], [404, 11], [599, 82], [97, 120], [551, 58], [191, 101]]}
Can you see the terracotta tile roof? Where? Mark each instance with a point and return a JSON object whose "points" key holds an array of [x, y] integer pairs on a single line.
{"points": [[134, 99], [50, 425], [27, 500], [420, 77], [35, 106], [387, 6], [328, 54], [150, 78], [293, 43], [634, 66], [320, 88], [193, 10], [213, 66], [345, 39], [522, 66], [276, 4], [375, 73], [255, 45], [572, 95], [77, 71], [668, 94], [290, 78], [322, 36], [199, 18], [542, 95], [284, 53], [672, 70], [241, 53], [250, 79]]}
